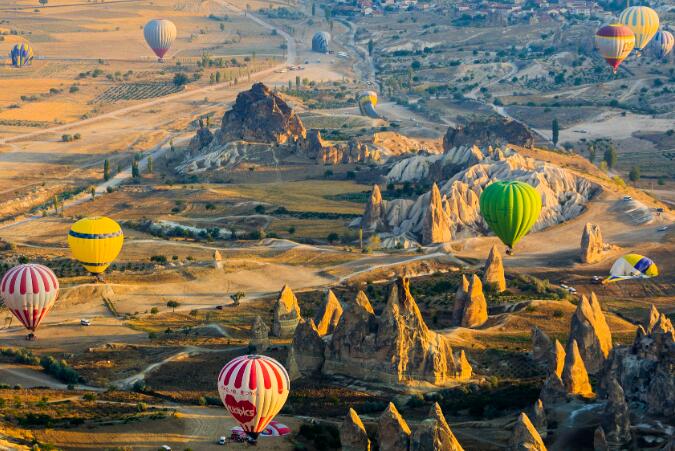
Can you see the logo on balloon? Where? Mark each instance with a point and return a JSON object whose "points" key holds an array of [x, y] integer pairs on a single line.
{"points": [[243, 411]]}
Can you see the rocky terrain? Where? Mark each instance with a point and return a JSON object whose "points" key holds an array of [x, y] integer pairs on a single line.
{"points": [[493, 131], [451, 210]]}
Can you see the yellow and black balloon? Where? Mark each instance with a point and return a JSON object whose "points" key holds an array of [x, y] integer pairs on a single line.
{"points": [[95, 242]]}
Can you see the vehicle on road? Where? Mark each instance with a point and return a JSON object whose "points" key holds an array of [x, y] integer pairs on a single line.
{"points": [[85, 322], [222, 440], [662, 229], [627, 198]]}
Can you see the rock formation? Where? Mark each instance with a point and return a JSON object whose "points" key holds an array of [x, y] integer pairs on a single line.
{"points": [[329, 314], [558, 359], [494, 131], [616, 417], [261, 115], [592, 246], [308, 347], [292, 365], [434, 167], [259, 335], [539, 418], [553, 391], [354, 151], [474, 313], [541, 347], [217, 260], [654, 317], [286, 314], [591, 332], [464, 369], [645, 369], [353, 436], [525, 436], [493, 274], [436, 225], [202, 138], [373, 218], [434, 434], [575, 376], [599, 440], [460, 299], [392, 431], [564, 194], [397, 347]]}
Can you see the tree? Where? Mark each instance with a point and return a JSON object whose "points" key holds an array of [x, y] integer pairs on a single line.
{"points": [[410, 79], [149, 166], [416, 65], [106, 170], [290, 85], [610, 156], [332, 237], [44, 2], [555, 131], [371, 47], [172, 305], [218, 77], [92, 191], [55, 203], [297, 82], [135, 173], [154, 310], [634, 174], [591, 153], [313, 9], [180, 79], [236, 297]]}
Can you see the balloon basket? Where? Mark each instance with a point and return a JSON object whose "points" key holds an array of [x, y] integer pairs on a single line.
{"points": [[510, 251], [31, 337], [99, 278]]}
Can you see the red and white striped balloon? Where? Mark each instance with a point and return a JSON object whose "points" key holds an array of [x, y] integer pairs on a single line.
{"points": [[29, 292], [253, 389]]}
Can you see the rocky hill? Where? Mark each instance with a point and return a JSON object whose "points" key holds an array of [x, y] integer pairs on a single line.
{"points": [[493, 131], [467, 171]]}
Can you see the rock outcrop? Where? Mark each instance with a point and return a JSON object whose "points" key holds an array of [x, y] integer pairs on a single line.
{"points": [[564, 194], [599, 440], [616, 417], [392, 431], [434, 167], [575, 376], [217, 260], [397, 347], [259, 335], [308, 347], [286, 314], [261, 115], [645, 369], [474, 313], [202, 138], [525, 436], [354, 151], [460, 299], [558, 360], [328, 316], [590, 330], [493, 273], [292, 365], [553, 391], [436, 227], [353, 436], [494, 131], [434, 434], [373, 218], [592, 246], [542, 348], [464, 369], [539, 418]]}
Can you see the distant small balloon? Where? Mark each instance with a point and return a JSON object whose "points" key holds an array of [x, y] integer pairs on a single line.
{"points": [[160, 34], [663, 43], [21, 54]]}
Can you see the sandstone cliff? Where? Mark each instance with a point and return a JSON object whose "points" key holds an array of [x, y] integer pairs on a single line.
{"points": [[590, 330], [286, 313], [493, 273]]}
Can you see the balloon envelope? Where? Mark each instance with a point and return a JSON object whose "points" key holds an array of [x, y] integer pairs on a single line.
{"points": [[632, 266], [253, 389], [614, 42], [510, 208], [21, 54], [160, 34], [29, 292], [663, 43], [367, 102], [95, 242], [320, 42], [274, 429], [643, 21]]}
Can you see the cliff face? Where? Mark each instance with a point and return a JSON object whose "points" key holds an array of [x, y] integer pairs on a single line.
{"points": [[563, 193], [397, 347]]}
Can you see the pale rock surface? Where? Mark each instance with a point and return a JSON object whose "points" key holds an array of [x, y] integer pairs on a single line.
{"points": [[217, 260], [475, 307], [558, 359], [373, 218], [434, 167], [328, 316], [592, 246], [460, 299], [392, 431], [575, 376], [525, 436], [539, 418], [436, 227], [590, 330], [353, 436], [286, 314], [542, 348], [434, 434], [493, 273]]}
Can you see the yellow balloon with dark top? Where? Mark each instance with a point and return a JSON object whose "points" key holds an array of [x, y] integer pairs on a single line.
{"points": [[95, 242]]}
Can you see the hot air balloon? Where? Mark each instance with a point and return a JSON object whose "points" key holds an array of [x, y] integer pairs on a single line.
{"points": [[643, 21], [253, 389], [614, 42], [367, 101], [632, 266], [29, 292], [274, 429], [510, 208], [663, 43], [160, 34], [320, 42], [21, 54], [95, 242]]}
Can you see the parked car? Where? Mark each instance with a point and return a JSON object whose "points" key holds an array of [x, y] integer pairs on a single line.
{"points": [[222, 440], [596, 280], [85, 322], [627, 198], [662, 229], [219, 307], [165, 448]]}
